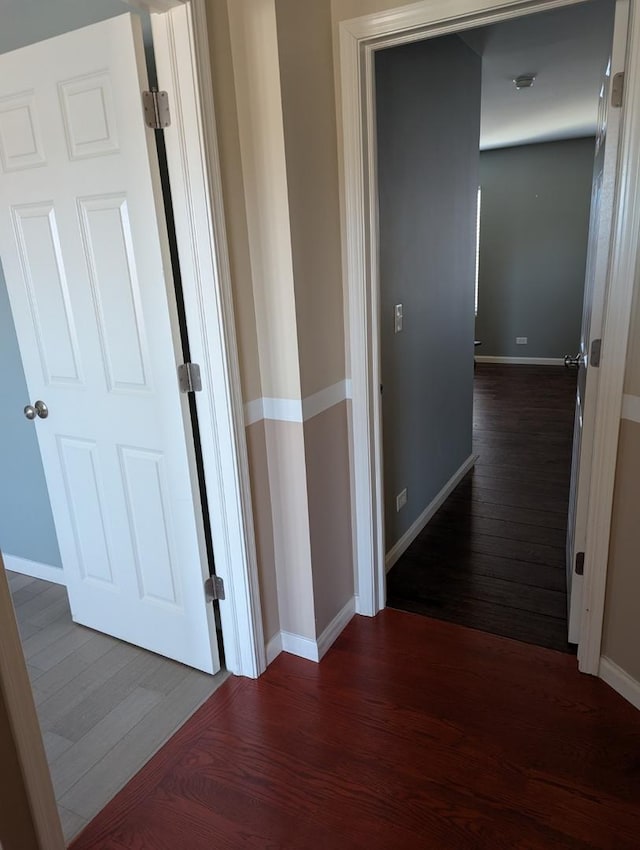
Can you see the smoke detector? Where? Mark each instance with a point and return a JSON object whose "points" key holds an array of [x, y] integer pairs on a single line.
{"points": [[524, 81]]}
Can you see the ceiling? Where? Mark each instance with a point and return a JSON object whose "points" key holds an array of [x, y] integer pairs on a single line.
{"points": [[567, 49]]}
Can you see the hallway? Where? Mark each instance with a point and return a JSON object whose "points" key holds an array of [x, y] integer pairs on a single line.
{"points": [[493, 556]]}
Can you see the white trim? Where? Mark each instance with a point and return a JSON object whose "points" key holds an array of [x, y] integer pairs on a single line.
{"points": [[301, 646], [336, 627], [283, 409], [414, 530], [358, 40], [182, 57], [631, 408], [325, 399], [273, 647], [312, 650], [520, 361], [620, 681], [294, 410], [35, 569]]}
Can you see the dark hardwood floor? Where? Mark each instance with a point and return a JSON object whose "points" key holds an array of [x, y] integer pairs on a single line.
{"points": [[493, 557], [411, 733]]}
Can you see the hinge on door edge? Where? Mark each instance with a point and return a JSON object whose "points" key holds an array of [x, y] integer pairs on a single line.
{"points": [[156, 109], [596, 348], [579, 563], [189, 379], [214, 588], [617, 89]]}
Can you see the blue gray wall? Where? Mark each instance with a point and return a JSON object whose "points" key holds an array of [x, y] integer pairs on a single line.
{"points": [[428, 113], [26, 522], [533, 245]]}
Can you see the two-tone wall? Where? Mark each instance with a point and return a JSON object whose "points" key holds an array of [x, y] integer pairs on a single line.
{"points": [[279, 134], [280, 179]]}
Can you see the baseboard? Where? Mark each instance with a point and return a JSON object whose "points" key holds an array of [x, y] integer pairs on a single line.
{"points": [[34, 569], [521, 361], [312, 650], [411, 533], [273, 647], [335, 627], [620, 681]]}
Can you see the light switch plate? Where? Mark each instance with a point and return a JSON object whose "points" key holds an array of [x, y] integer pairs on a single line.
{"points": [[401, 499], [397, 318]]}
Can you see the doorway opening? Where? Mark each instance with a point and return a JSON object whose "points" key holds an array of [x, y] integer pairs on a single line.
{"points": [[364, 43], [476, 527], [106, 540]]}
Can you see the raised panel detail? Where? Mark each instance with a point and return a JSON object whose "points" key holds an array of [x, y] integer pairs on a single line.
{"points": [[145, 489], [86, 504], [38, 241], [20, 137], [108, 247], [89, 115]]}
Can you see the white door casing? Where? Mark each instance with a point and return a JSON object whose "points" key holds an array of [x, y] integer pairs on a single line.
{"points": [[601, 217], [84, 248]]}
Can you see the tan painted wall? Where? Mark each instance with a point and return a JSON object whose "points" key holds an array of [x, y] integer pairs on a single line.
{"points": [[234, 202], [263, 524], [621, 639], [304, 43], [16, 826], [632, 378], [327, 457]]}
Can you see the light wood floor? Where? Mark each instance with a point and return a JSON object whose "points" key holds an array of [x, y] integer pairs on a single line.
{"points": [[105, 706]]}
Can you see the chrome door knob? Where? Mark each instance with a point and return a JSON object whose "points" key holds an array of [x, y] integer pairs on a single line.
{"points": [[39, 409], [570, 361]]}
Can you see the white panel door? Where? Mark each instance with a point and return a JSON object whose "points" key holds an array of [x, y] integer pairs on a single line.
{"points": [[602, 201], [84, 250]]}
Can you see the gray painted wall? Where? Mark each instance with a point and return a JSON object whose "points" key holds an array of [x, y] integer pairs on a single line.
{"points": [[534, 228], [26, 522], [428, 113]]}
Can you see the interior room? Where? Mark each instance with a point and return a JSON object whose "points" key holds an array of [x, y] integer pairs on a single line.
{"points": [[478, 404]]}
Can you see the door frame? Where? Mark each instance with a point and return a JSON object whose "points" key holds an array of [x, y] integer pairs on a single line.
{"points": [[180, 40], [359, 38]]}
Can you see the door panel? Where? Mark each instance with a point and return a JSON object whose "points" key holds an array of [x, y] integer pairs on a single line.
{"points": [[602, 201], [86, 261]]}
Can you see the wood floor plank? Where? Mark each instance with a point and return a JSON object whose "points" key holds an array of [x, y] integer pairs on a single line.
{"points": [[72, 823], [63, 646], [86, 655], [98, 701], [494, 556], [410, 733], [110, 774], [59, 712], [87, 751], [54, 745]]}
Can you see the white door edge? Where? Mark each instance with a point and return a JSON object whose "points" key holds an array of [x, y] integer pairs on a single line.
{"points": [[182, 58], [356, 50]]}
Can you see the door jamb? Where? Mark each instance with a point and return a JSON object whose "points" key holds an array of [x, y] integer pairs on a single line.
{"points": [[358, 40], [182, 58]]}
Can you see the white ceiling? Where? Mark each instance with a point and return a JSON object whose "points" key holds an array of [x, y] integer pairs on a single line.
{"points": [[567, 49]]}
